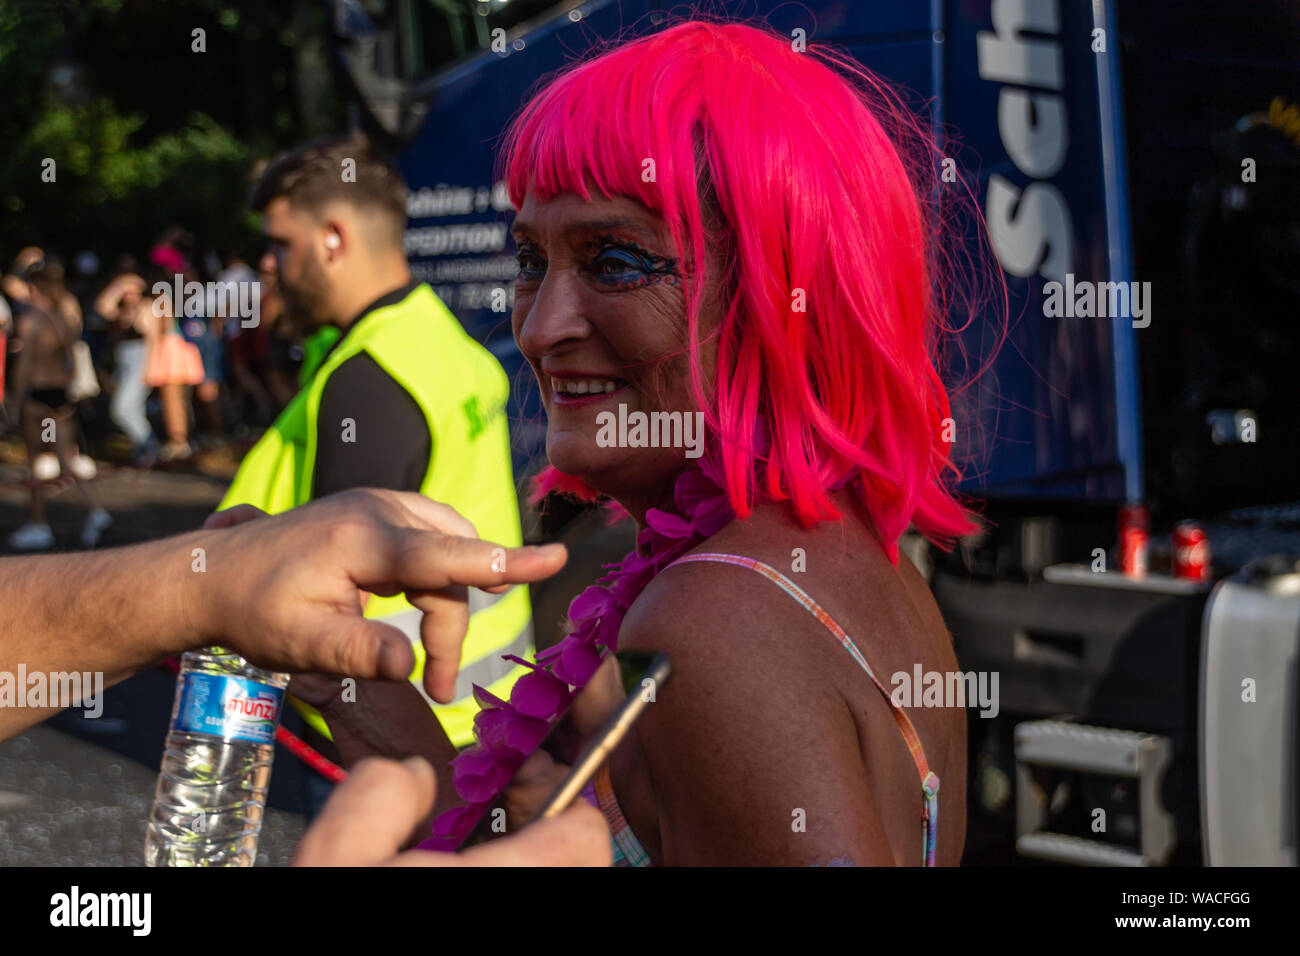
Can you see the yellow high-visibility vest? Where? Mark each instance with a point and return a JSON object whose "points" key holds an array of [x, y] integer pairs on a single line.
{"points": [[461, 390], [314, 350]]}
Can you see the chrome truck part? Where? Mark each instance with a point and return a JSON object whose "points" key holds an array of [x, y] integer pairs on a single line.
{"points": [[1250, 695]]}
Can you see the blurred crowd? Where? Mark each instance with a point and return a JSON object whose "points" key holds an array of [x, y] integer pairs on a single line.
{"points": [[99, 363]]}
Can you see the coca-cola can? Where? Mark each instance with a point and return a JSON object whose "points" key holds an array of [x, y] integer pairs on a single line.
{"points": [[1191, 552], [1134, 534]]}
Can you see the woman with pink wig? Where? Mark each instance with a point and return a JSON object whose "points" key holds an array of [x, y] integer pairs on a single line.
{"points": [[715, 227]]}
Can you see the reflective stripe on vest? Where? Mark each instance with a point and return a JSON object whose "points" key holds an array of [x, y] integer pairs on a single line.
{"points": [[462, 390]]}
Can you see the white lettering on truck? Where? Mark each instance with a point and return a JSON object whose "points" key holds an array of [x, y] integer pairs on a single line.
{"points": [[1030, 229]]}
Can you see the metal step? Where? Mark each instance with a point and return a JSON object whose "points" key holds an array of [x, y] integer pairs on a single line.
{"points": [[1060, 848], [1060, 743], [1092, 750]]}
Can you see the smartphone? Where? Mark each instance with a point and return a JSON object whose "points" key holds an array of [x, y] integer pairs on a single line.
{"points": [[644, 675]]}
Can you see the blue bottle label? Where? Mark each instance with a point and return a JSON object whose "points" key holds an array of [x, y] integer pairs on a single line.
{"points": [[233, 708]]}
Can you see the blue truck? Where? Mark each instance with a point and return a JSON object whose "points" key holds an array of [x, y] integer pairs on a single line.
{"points": [[1145, 150]]}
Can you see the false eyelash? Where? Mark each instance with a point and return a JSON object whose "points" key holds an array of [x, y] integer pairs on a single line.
{"points": [[658, 264]]}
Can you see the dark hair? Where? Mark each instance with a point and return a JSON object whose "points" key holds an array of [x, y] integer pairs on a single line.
{"points": [[313, 174], [47, 275], [152, 274]]}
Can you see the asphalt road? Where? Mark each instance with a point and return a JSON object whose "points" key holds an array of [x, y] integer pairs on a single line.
{"points": [[67, 802]]}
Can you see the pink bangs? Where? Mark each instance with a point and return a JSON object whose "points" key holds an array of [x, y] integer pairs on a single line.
{"points": [[836, 277]]}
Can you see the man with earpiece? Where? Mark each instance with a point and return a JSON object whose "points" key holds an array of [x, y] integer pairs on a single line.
{"points": [[403, 400]]}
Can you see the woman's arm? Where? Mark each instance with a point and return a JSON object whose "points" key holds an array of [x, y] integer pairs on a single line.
{"points": [[70, 309], [109, 301], [20, 371], [754, 760], [149, 324]]}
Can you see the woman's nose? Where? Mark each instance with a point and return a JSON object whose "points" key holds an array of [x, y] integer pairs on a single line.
{"points": [[551, 317]]}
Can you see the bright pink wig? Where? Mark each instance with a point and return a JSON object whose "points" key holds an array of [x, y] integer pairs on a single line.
{"points": [[836, 281]]}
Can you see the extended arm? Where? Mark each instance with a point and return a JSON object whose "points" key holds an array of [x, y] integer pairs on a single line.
{"points": [[283, 591]]}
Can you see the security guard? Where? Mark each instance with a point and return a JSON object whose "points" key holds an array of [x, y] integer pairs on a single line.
{"points": [[404, 399]]}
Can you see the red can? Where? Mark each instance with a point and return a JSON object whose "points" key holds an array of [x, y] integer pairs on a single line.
{"points": [[1134, 533], [1191, 552]]}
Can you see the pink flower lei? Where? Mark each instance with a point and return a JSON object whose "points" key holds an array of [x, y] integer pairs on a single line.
{"points": [[507, 733]]}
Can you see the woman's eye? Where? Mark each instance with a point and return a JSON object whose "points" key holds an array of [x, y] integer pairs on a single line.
{"points": [[617, 261], [531, 265]]}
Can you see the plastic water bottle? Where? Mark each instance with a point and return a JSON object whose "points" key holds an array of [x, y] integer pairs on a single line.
{"points": [[212, 788]]}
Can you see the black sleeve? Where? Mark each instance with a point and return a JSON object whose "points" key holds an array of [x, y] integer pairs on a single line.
{"points": [[370, 433]]}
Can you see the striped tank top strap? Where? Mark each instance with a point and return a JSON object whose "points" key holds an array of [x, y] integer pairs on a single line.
{"points": [[929, 779], [628, 850]]}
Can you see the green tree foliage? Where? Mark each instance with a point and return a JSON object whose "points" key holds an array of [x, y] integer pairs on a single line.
{"points": [[112, 188], [144, 130]]}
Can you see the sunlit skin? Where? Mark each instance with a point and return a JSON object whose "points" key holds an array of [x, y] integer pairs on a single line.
{"points": [[766, 712]]}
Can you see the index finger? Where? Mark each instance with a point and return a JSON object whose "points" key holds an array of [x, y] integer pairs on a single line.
{"points": [[402, 558], [464, 561]]}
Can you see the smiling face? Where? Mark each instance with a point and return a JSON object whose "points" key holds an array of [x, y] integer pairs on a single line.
{"points": [[600, 314]]}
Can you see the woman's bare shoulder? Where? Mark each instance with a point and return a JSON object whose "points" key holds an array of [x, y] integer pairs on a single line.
{"points": [[840, 565], [732, 611]]}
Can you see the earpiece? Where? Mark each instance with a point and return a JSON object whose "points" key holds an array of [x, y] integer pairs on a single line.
{"points": [[332, 241]]}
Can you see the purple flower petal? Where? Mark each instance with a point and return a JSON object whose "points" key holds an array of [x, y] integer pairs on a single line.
{"points": [[577, 663], [607, 634], [492, 728], [440, 844], [584, 633], [525, 734], [631, 587], [712, 516], [668, 524], [489, 720], [634, 566], [540, 695], [485, 699], [458, 821], [516, 659], [593, 602], [508, 735], [545, 656], [476, 775]]}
